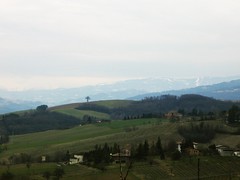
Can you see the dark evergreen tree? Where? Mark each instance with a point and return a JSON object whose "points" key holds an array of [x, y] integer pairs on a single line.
{"points": [[233, 114], [140, 151], [145, 148], [152, 150], [67, 157], [159, 149], [59, 172], [176, 155], [47, 175], [106, 153]]}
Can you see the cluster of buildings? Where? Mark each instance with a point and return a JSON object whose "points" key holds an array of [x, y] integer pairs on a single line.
{"points": [[227, 151], [190, 150], [194, 151]]}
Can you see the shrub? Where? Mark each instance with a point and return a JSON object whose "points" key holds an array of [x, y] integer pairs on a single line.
{"points": [[7, 175], [176, 155], [202, 133]]}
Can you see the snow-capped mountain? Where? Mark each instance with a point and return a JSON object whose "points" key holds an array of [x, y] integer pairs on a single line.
{"points": [[118, 90], [222, 91]]}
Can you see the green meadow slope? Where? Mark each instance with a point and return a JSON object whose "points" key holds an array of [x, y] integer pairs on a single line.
{"points": [[70, 109], [84, 138]]}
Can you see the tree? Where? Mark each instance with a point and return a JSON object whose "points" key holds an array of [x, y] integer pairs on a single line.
{"points": [[194, 112], [140, 151], [42, 108], [28, 165], [233, 114], [67, 157], [176, 155], [159, 149], [4, 138], [46, 175], [106, 153], [145, 148], [59, 172], [181, 111], [7, 175], [152, 150], [87, 98]]}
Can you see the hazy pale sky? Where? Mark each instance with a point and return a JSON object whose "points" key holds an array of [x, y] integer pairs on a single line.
{"points": [[67, 43]]}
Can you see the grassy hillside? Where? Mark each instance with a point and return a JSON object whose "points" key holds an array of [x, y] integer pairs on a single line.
{"points": [[84, 138], [70, 109], [107, 103], [81, 113], [211, 168], [114, 103]]}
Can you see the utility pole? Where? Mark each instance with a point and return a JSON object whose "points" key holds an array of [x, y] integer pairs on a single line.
{"points": [[122, 177], [198, 169], [120, 164]]}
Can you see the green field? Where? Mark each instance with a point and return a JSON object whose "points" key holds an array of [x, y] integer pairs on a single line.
{"points": [[81, 113], [218, 168], [71, 110], [83, 138], [109, 104], [114, 103]]}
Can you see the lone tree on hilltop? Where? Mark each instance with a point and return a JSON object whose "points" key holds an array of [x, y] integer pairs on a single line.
{"points": [[87, 98]]}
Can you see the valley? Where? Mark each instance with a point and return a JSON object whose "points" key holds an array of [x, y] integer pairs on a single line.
{"points": [[132, 129]]}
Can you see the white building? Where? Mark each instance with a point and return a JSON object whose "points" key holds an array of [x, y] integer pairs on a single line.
{"points": [[76, 159]]}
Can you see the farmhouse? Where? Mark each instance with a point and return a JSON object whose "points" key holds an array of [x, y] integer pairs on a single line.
{"points": [[189, 150], [76, 159], [179, 146], [120, 157], [173, 115], [236, 153], [123, 156], [43, 158], [224, 150]]}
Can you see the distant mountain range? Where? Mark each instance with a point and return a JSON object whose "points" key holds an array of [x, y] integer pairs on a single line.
{"points": [[19, 100], [222, 91], [7, 106]]}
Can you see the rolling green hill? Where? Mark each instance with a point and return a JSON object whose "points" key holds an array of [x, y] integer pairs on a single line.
{"points": [[149, 107], [71, 109], [83, 138], [80, 138]]}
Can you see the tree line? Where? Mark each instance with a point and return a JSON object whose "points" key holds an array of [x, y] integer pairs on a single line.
{"points": [[189, 104], [35, 121]]}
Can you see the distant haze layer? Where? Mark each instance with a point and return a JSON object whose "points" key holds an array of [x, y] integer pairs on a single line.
{"points": [[60, 43]]}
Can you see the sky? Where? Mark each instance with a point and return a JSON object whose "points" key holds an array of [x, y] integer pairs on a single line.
{"points": [[71, 43]]}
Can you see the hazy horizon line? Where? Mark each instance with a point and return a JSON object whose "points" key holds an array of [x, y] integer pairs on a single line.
{"points": [[36, 83]]}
